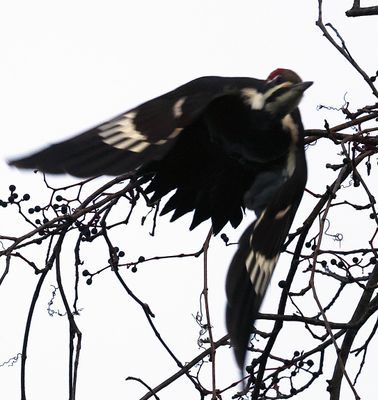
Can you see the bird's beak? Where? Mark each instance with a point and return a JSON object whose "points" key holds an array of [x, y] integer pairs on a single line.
{"points": [[288, 99], [302, 86]]}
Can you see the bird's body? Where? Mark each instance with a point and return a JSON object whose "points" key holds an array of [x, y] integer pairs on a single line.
{"points": [[222, 144]]}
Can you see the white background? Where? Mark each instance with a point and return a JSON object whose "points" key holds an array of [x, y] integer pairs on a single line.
{"points": [[66, 66]]}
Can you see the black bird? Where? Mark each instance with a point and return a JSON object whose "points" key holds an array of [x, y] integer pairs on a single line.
{"points": [[222, 144]]}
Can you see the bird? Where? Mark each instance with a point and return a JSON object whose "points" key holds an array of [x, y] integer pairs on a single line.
{"points": [[220, 145]]}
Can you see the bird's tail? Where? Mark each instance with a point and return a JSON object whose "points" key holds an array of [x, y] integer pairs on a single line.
{"points": [[254, 262]]}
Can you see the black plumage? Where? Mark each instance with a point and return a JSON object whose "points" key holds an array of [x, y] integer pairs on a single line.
{"points": [[258, 252], [219, 145]]}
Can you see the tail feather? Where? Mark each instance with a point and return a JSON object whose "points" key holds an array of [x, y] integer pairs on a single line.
{"points": [[256, 258]]}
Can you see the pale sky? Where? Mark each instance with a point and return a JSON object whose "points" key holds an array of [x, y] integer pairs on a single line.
{"points": [[67, 66]]}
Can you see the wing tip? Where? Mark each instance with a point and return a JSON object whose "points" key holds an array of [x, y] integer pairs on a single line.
{"points": [[19, 163], [33, 164]]}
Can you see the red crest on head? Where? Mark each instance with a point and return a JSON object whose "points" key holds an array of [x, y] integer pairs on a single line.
{"points": [[275, 73]]}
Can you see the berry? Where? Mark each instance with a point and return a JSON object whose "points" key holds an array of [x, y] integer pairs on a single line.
{"points": [[282, 284], [224, 237]]}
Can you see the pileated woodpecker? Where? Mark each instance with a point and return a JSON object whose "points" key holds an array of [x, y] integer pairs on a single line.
{"points": [[223, 144]]}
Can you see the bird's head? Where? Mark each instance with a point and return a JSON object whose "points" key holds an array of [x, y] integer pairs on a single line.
{"points": [[283, 92]]}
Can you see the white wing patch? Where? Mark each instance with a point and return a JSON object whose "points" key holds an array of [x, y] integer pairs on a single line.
{"points": [[175, 132], [122, 134], [260, 270], [282, 213], [125, 123], [177, 107], [257, 224]]}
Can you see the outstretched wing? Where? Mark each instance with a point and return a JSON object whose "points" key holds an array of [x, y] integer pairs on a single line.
{"points": [[257, 255], [135, 137]]}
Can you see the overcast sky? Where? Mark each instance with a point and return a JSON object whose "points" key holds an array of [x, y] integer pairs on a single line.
{"points": [[66, 66]]}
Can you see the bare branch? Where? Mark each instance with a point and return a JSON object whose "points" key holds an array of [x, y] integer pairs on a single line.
{"points": [[342, 48]]}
